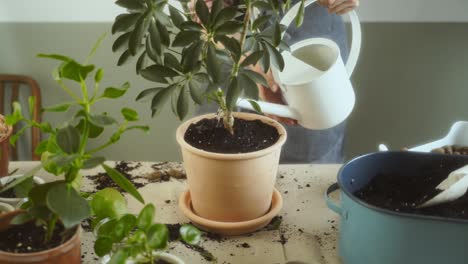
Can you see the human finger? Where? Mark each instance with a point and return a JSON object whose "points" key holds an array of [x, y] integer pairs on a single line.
{"points": [[351, 4], [283, 120]]}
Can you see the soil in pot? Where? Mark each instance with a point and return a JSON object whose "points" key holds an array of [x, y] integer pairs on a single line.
{"points": [[8, 194], [404, 194], [249, 136], [28, 238]]}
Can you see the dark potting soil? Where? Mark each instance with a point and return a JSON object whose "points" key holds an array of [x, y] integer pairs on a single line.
{"points": [[404, 194], [102, 180], [249, 135], [8, 194], [29, 238]]}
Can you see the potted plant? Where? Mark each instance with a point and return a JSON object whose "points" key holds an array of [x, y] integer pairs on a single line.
{"points": [[230, 159], [47, 228], [5, 132], [127, 238]]}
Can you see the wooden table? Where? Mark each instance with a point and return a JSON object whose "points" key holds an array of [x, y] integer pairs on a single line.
{"points": [[307, 234]]}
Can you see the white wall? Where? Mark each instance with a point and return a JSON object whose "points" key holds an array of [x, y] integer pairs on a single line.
{"points": [[106, 10]]}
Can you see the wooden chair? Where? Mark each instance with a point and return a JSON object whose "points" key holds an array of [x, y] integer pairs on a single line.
{"points": [[17, 82]]}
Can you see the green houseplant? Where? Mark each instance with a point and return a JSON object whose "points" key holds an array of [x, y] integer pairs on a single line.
{"points": [[54, 210], [192, 52], [126, 238]]}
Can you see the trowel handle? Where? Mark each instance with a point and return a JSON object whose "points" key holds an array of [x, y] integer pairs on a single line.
{"points": [[289, 17], [270, 108]]}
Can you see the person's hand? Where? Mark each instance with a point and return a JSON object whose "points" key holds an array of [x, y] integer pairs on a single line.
{"points": [[339, 6]]}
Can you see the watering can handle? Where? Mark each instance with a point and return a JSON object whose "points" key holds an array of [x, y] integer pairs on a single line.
{"points": [[355, 27]]}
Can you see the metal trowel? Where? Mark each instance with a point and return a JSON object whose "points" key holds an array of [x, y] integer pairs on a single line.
{"points": [[453, 187]]}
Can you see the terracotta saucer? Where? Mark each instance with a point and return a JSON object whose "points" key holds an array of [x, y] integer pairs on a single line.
{"points": [[230, 228]]}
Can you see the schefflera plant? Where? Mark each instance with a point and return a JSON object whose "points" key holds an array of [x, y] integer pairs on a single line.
{"points": [[67, 149], [126, 236], [184, 52]]}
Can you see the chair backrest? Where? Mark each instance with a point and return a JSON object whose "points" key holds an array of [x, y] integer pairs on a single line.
{"points": [[15, 83]]}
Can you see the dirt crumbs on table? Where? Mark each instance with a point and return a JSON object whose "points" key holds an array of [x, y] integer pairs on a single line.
{"points": [[164, 171], [249, 136], [102, 179], [244, 245], [86, 225], [28, 238]]}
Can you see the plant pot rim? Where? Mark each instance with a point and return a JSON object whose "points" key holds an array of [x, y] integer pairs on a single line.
{"points": [[16, 200], [68, 245], [7, 206], [180, 133], [9, 129]]}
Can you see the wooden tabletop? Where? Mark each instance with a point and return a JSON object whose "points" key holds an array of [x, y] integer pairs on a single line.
{"points": [[307, 234]]}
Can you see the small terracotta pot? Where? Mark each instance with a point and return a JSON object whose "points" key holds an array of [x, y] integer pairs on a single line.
{"points": [[69, 252], [4, 147], [231, 187]]}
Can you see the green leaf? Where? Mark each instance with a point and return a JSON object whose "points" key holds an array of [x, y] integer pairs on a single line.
{"points": [[102, 246], [154, 36], [21, 219], [146, 217], [147, 92], [216, 7], [95, 47], [124, 22], [141, 62], [260, 22], [255, 106], [252, 59], [22, 190], [32, 104], [57, 108], [119, 257], [232, 45], [174, 98], [265, 61], [60, 197], [41, 147], [108, 203], [191, 26], [172, 62], [158, 73], [183, 103], [112, 92], [276, 34], [123, 182], [203, 12], [16, 116], [300, 14], [212, 66], [129, 114], [229, 27], [94, 130], [101, 120], [196, 92], [142, 128], [232, 94], [249, 86], [256, 77], [184, 38], [158, 235], [93, 162], [55, 57], [165, 40], [227, 14], [72, 70], [276, 57], [151, 52], [191, 55], [124, 58], [131, 4], [121, 41], [160, 99], [176, 17], [190, 234], [68, 139], [98, 76], [38, 194], [135, 40]]}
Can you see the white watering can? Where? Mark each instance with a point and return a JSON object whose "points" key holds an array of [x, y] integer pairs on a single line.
{"points": [[315, 82]]}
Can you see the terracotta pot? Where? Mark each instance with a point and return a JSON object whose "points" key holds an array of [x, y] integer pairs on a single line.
{"points": [[231, 187], [4, 147], [69, 252]]}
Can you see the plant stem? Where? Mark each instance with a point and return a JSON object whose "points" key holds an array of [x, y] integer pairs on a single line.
{"points": [[51, 227], [70, 92], [100, 147]]}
